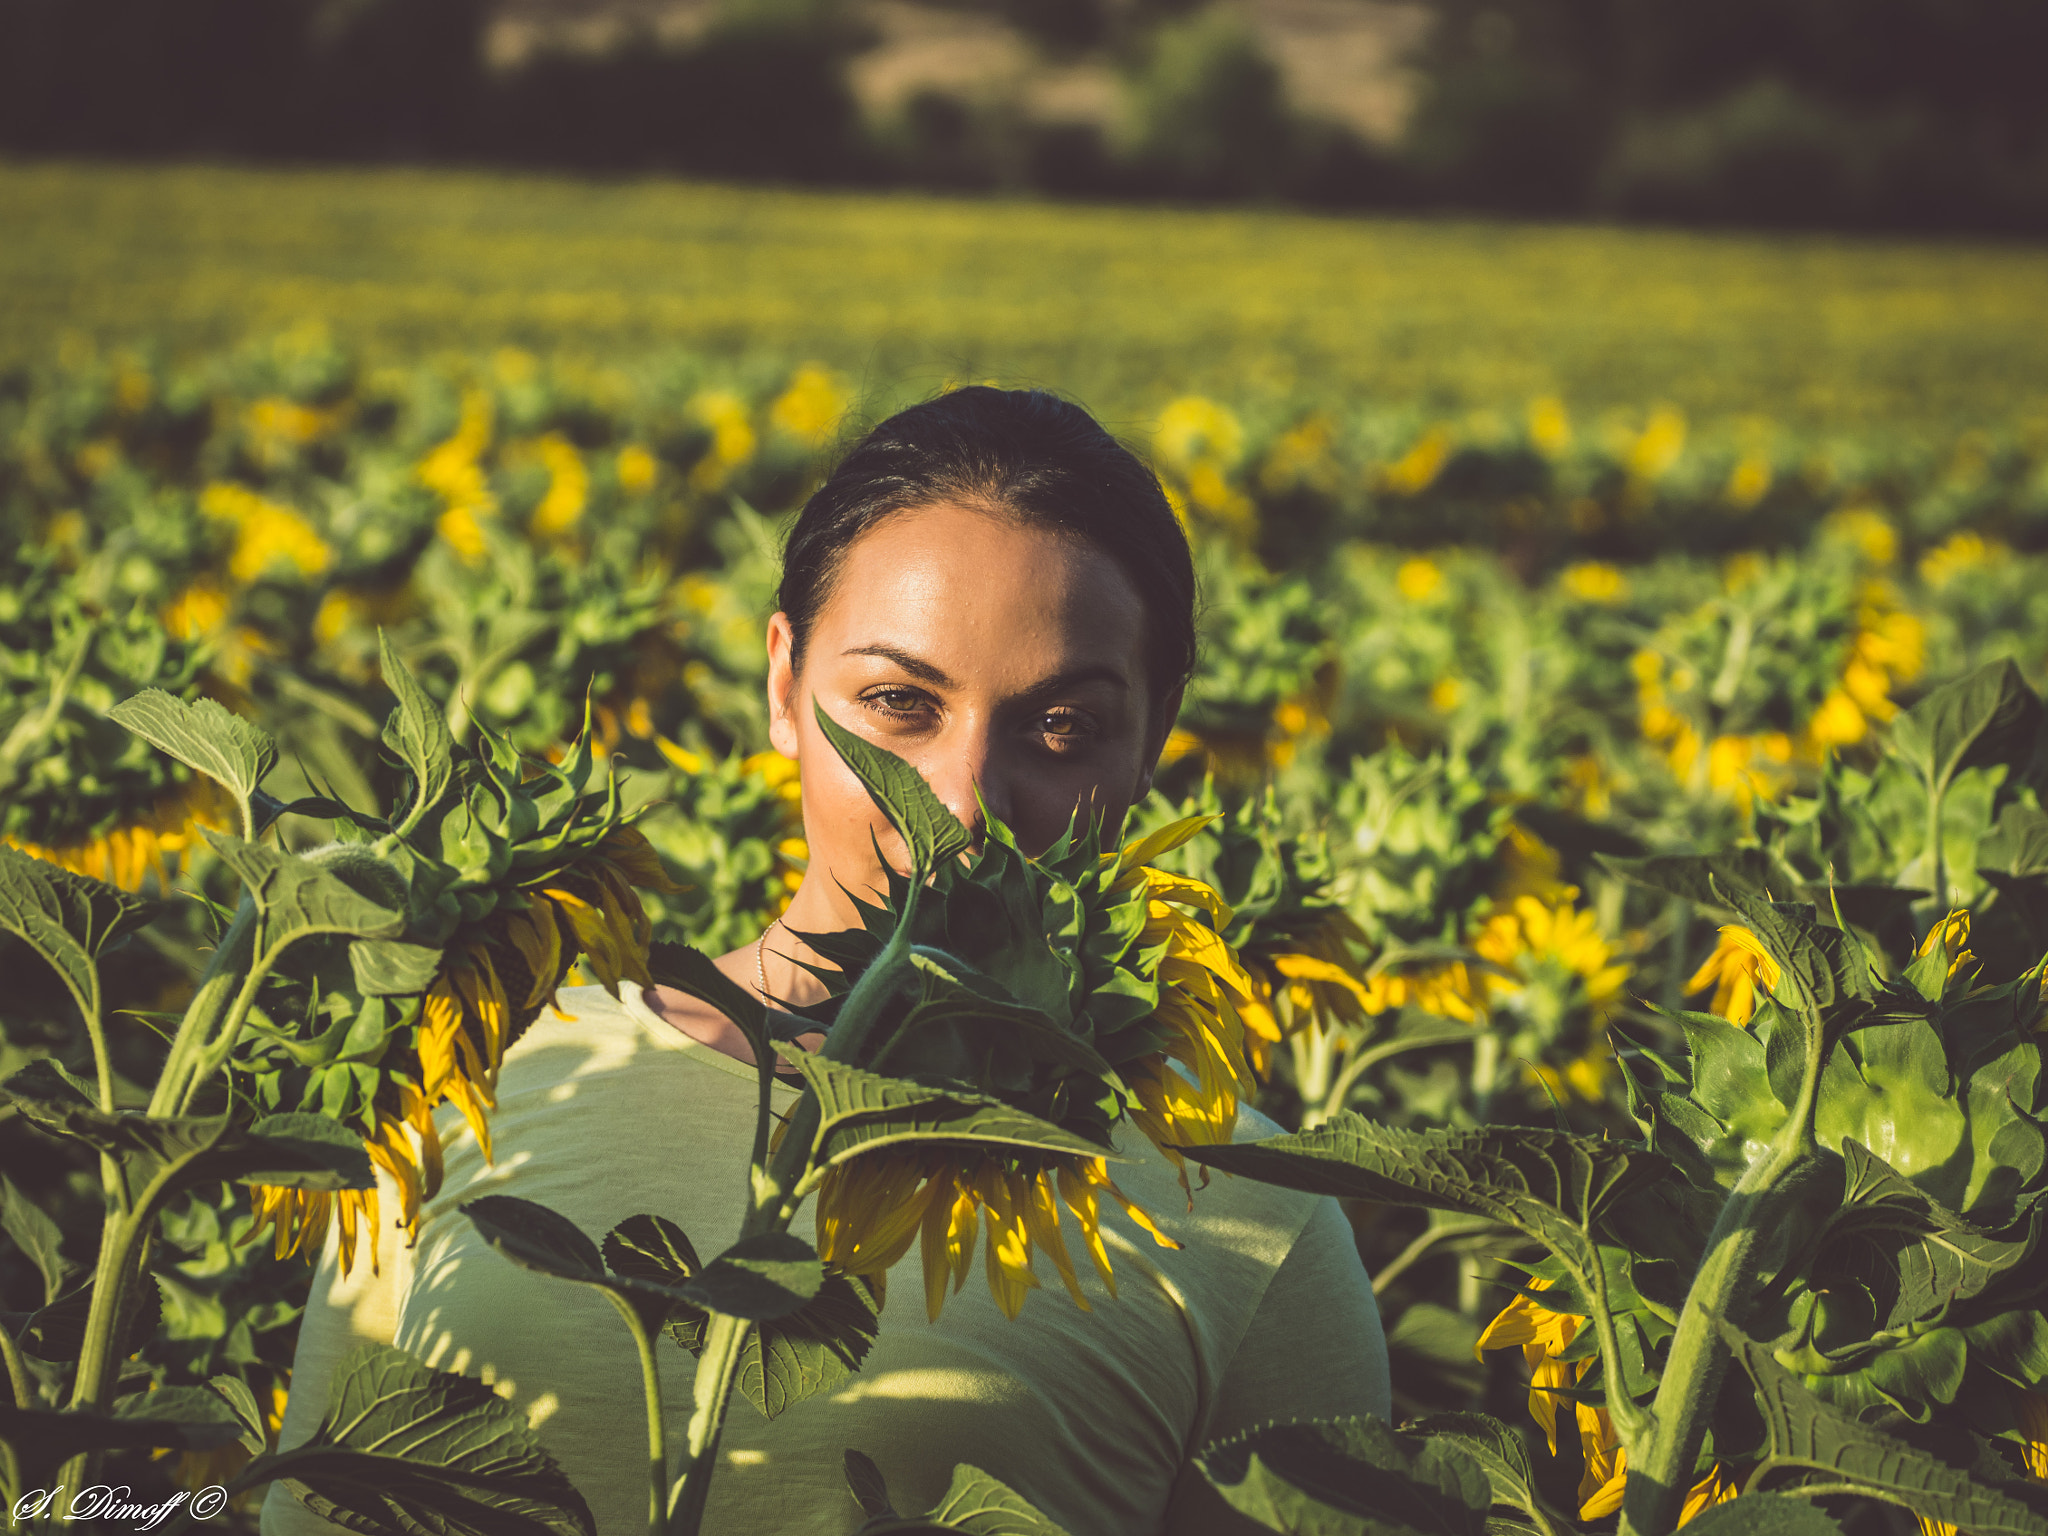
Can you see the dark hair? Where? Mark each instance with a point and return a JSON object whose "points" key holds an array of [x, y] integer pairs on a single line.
{"points": [[1019, 452]]}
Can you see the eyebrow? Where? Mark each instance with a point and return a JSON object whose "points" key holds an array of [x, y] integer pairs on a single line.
{"points": [[924, 671]]}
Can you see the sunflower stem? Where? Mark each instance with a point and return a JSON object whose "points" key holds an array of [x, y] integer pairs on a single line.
{"points": [[725, 1339], [223, 1045], [216, 986], [17, 1371]]}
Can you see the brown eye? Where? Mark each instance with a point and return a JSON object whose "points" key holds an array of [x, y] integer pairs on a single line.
{"points": [[897, 703], [1065, 726]]}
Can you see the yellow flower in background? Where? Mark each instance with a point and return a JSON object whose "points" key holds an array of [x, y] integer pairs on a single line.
{"points": [[1594, 582], [1445, 693], [1746, 769], [1964, 552], [811, 408], [1416, 470], [1590, 784], [147, 844], [733, 439], [1301, 456], [197, 611], [637, 470], [568, 490], [1889, 646], [269, 536], [1869, 531], [1737, 969], [454, 471], [1533, 935], [872, 1208], [1193, 429], [1528, 867], [1447, 989], [1742, 569], [1717, 1487], [1550, 427], [1748, 482], [1418, 579], [1658, 446]]}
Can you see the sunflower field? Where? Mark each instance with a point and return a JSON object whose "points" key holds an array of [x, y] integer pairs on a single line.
{"points": [[1611, 841]]}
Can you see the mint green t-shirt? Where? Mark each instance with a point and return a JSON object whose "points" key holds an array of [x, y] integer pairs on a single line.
{"points": [[1264, 1313]]}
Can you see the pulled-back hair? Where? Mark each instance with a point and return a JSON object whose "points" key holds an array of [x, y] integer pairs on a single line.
{"points": [[1018, 453]]}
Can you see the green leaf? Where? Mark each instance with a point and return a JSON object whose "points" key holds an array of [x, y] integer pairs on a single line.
{"points": [[236, 1394], [388, 968], [1351, 1477], [1705, 880], [416, 732], [203, 736], [932, 833], [1806, 1432], [1988, 716], [1892, 1234], [294, 1151], [1498, 1452], [36, 1235], [298, 898], [966, 996], [57, 1331], [536, 1238], [863, 1111], [759, 1278], [405, 1450], [784, 1360], [693, 972], [1547, 1184], [975, 1504], [1763, 1514], [67, 919], [870, 1492], [652, 1249]]}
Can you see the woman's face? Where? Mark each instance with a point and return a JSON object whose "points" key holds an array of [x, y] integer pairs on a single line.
{"points": [[991, 655]]}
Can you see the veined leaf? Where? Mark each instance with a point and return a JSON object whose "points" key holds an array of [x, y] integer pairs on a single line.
{"points": [[975, 1504], [1705, 880], [405, 1450], [930, 831], [1351, 1477], [297, 898], [1498, 1452], [57, 1331], [797, 1356], [870, 1492], [390, 968], [67, 919], [1763, 1514], [967, 996], [1806, 1432], [416, 732], [861, 1111], [36, 1235], [203, 736], [1987, 716], [760, 1278], [1548, 1184]]}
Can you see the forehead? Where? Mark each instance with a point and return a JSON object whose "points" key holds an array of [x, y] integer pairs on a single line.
{"points": [[988, 599]]}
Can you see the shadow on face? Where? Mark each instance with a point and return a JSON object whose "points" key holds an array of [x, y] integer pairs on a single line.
{"points": [[991, 655]]}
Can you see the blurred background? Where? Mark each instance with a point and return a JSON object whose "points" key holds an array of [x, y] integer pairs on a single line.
{"points": [[1595, 421]]}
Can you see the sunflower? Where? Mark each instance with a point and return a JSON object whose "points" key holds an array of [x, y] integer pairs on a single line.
{"points": [[1735, 970], [142, 845], [1313, 973], [1544, 1336], [870, 1210], [1952, 935], [492, 983]]}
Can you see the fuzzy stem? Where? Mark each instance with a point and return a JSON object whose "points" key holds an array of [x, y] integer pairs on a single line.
{"points": [[17, 1371], [725, 1339], [216, 985]]}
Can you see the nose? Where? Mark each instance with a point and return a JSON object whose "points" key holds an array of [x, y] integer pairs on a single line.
{"points": [[964, 772]]}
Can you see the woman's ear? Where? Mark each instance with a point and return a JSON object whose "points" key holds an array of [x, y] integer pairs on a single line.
{"points": [[1159, 728], [782, 686]]}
